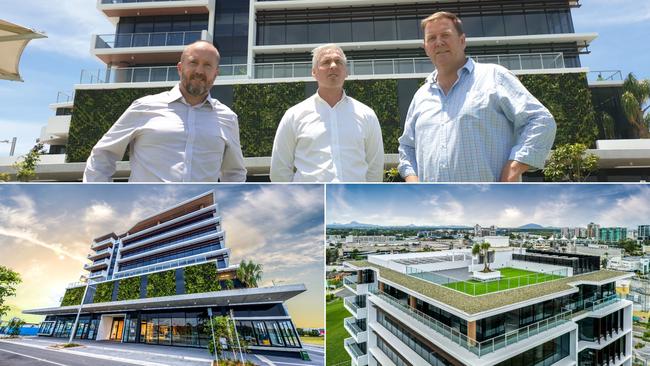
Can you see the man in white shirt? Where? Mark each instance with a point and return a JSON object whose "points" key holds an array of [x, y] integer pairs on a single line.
{"points": [[329, 137], [182, 135]]}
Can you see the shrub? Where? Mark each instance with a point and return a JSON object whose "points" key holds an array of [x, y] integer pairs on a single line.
{"points": [[73, 296], [161, 284], [201, 278], [128, 289], [104, 292]]}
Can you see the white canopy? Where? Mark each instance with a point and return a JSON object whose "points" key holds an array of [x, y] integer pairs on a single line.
{"points": [[13, 40]]}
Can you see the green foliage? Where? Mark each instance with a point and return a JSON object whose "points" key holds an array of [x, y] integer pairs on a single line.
{"points": [[161, 284], [13, 328], [8, 281], [249, 273], [570, 163], [26, 168], [381, 96], [630, 246], [104, 292], [605, 120], [223, 329], [201, 278], [635, 94], [230, 284], [568, 98], [392, 176], [95, 111], [260, 108], [73, 296], [4, 177], [128, 289]]}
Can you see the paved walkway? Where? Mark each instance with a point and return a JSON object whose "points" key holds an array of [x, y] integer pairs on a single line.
{"points": [[150, 355]]}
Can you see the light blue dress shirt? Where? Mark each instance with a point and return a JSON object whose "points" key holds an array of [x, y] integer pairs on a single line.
{"points": [[487, 118]]}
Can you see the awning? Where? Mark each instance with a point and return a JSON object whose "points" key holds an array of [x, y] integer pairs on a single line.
{"points": [[257, 295], [13, 40]]}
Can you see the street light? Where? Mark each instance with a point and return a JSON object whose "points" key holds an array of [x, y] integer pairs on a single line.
{"points": [[13, 145], [76, 322]]}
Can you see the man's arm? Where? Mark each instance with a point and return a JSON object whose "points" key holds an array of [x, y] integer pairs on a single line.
{"points": [[408, 166], [374, 150], [534, 127], [232, 162], [284, 150], [100, 165]]}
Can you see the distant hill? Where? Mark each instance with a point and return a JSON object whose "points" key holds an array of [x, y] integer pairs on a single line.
{"points": [[531, 226]]}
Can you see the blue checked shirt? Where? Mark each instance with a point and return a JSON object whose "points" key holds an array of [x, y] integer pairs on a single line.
{"points": [[487, 118]]}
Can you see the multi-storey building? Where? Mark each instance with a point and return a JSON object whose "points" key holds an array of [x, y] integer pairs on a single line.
{"points": [[160, 281], [612, 234], [265, 45], [593, 231], [643, 234], [429, 309]]}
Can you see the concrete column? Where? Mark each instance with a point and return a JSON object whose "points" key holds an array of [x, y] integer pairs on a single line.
{"points": [[471, 330], [412, 301]]}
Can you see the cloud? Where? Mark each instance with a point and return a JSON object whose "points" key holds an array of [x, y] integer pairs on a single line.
{"points": [[618, 12], [628, 211], [510, 217]]}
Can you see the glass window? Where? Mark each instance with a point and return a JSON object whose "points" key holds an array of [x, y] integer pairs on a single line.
{"points": [[385, 29], [473, 25], [274, 34], [362, 30], [407, 28], [515, 24], [164, 331], [297, 33], [493, 26], [274, 334], [341, 31], [261, 333], [536, 23], [318, 32]]}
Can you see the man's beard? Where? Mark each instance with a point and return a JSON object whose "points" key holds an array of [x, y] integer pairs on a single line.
{"points": [[193, 90]]}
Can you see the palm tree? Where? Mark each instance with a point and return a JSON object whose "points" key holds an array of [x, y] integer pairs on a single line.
{"points": [[482, 249], [249, 273], [635, 94]]}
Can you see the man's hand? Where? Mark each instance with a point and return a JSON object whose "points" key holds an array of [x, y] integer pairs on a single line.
{"points": [[411, 179], [512, 171]]}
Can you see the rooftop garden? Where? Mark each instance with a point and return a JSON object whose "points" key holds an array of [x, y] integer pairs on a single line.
{"points": [[510, 278]]}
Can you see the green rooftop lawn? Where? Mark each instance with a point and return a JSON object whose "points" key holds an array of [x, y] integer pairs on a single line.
{"points": [[510, 278], [335, 333]]}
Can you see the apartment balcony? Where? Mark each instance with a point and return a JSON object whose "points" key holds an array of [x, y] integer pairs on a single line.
{"points": [[355, 308], [102, 263], [478, 348], [56, 131], [100, 254], [166, 265], [102, 244], [98, 275], [351, 283], [359, 335], [128, 48], [176, 244], [210, 222], [359, 358], [130, 8]]}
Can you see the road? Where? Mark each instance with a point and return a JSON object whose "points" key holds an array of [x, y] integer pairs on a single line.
{"points": [[17, 355]]}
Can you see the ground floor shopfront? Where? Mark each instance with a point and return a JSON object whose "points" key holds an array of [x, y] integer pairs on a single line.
{"points": [[262, 326]]}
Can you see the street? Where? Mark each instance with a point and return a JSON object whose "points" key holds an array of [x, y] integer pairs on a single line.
{"points": [[18, 355]]}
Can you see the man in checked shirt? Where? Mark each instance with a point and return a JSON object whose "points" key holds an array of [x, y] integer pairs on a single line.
{"points": [[470, 122]]}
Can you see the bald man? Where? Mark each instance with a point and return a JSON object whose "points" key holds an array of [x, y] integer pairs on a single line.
{"points": [[182, 135]]}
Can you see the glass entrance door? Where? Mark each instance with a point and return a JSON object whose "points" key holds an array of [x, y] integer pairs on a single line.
{"points": [[117, 329]]}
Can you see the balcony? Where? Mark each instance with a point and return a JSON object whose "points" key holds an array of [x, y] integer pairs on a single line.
{"points": [[350, 282], [210, 222], [99, 254], [478, 348], [129, 48], [96, 275], [56, 131], [128, 8], [102, 263], [358, 357], [102, 244], [166, 265], [355, 308], [359, 335]]}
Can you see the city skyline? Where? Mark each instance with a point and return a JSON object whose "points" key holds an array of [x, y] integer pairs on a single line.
{"points": [[510, 206], [284, 234]]}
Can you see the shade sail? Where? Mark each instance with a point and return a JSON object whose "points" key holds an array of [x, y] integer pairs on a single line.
{"points": [[13, 40]]}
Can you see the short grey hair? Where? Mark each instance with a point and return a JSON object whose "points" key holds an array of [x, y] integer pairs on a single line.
{"points": [[320, 50]]}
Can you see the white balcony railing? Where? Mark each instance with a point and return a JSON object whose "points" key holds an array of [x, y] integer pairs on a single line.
{"points": [[100, 253], [98, 274], [99, 263], [158, 39]]}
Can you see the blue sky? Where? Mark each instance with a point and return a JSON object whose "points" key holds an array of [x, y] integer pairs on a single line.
{"points": [[54, 64], [46, 231], [572, 205]]}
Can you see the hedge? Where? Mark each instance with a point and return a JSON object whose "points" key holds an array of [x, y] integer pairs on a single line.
{"points": [[104, 292], [261, 106], [161, 284], [201, 278], [73, 296], [129, 289]]}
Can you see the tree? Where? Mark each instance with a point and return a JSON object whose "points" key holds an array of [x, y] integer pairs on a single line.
{"points": [[249, 273], [224, 334], [229, 284], [482, 250], [26, 169], [635, 94], [570, 163], [13, 328], [8, 281], [4, 177], [331, 255], [630, 246]]}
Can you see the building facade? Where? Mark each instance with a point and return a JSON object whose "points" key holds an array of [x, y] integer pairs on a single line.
{"points": [[423, 309], [162, 280], [613, 234], [643, 234]]}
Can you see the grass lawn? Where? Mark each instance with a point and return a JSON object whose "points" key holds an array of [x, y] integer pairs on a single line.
{"points": [[317, 341], [336, 333], [510, 278]]}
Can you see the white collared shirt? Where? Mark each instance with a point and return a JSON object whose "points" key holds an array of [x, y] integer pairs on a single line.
{"points": [[318, 143], [171, 141]]}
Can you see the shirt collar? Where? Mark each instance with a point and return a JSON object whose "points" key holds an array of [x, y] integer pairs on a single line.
{"points": [[343, 97], [469, 66], [176, 95]]}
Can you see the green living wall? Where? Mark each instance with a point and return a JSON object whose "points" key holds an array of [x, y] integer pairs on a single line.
{"points": [[128, 289], [161, 284], [201, 278], [261, 106], [73, 296], [104, 292]]}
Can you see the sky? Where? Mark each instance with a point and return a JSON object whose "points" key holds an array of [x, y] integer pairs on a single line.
{"points": [[46, 231], [54, 64], [503, 205]]}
